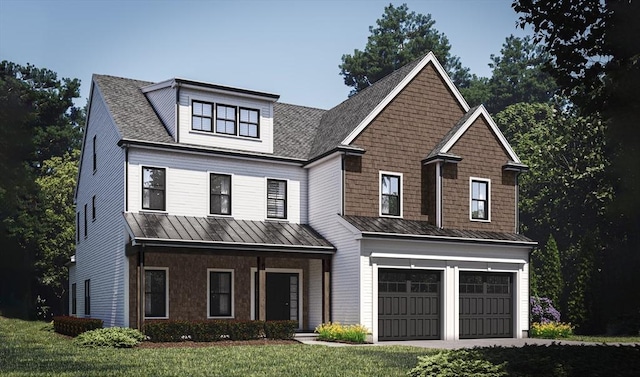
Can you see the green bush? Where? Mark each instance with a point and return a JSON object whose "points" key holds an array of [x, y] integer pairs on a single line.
{"points": [[209, 331], [461, 363], [73, 326], [333, 332], [117, 337], [280, 329], [245, 330], [550, 330], [167, 331]]}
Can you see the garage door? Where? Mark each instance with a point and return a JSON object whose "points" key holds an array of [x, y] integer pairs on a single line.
{"points": [[486, 305], [408, 304]]}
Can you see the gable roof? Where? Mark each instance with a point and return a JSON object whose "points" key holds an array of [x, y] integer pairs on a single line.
{"points": [[295, 128], [455, 133]]}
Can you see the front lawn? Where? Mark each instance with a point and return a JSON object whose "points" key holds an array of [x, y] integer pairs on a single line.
{"points": [[30, 349]]}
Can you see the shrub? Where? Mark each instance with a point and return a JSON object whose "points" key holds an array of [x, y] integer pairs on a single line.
{"points": [[280, 329], [342, 333], [167, 331], [542, 310], [456, 363], [209, 331], [245, 330], [118, 337], [73, 326], [550, 330]]}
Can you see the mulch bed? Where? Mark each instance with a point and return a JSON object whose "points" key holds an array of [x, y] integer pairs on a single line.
{"points": [[221, 343]]}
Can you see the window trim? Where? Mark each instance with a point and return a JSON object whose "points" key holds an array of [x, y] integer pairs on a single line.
{"points": [[87, 297], [93, 208], [166, 291], [382, 173], [286, 199], [488, 200], [210, 173], [86, 231], [212, 118], [240, 108], [166, 171], [233, 291], [78, 231]]}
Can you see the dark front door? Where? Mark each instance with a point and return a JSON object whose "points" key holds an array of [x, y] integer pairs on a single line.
{"points": [[282, 296]]}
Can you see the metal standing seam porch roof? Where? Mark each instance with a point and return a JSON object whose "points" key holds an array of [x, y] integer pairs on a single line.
{"points": [[224, 233], [383, 227]]}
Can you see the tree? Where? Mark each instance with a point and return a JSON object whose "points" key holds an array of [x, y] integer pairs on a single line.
{"points": [[546, 280], [595, 61], [37, 122], [399, 38], [518, 75]]}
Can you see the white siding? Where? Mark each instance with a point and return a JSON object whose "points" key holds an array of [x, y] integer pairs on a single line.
{"points": [[100, 256], [187, 184], [325, 206], [264, 144], [315, 293], [164, 103]]}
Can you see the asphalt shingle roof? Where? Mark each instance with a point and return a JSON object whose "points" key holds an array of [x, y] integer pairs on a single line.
{"points": [[386, 226], [438, 148], [295, 129]]}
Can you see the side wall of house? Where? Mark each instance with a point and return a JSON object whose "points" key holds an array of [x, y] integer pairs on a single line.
{"points": [[325, 207], [398, 140], [100, 256], [164, 104], [187, 184]]}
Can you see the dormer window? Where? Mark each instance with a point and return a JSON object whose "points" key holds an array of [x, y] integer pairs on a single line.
{"points": [[202, 114], [228, 120]]}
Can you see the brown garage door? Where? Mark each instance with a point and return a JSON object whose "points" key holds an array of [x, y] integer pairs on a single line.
{"points": [[408, 304], [486, 305]]}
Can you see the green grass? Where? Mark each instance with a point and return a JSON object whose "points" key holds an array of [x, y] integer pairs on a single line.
{"points": [[32, 349], [28, 349], [604, 339]]}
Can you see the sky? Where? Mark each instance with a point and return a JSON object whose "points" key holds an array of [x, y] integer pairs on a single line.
{"points": [[287, 47]]}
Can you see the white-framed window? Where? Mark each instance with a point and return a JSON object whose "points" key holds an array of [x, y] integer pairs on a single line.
{"points": [[219, 194], [390, 194], [276, 198], [479, 199], [220, 290], [156, 292], [154, 189], [226, 119], [222, 119]]}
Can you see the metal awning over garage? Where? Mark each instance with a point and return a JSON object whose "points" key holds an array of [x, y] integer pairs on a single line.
{"points": [[153, 229]]}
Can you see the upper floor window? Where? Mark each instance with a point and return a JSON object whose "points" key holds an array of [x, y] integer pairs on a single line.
{"points": [[480, 195], [390, 194], [86, 233], [95, 155], [226, 119], [155, 293], [78, 227], [153, 188], [201, 116], [220, 202], [249, 122], [87, 297], [276, 199], [229, 120], [93, 208], [74, 299]]}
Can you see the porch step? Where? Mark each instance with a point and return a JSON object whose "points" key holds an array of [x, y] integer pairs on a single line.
{"points": [[301, 336]]}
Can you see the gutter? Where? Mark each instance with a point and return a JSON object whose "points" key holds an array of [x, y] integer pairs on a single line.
{"points": [[155, 242], [446, 238]]}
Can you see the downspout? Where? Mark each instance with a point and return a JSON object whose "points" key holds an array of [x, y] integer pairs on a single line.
{"points": [[342, 190], [439, 194], [178, 113], [126, 178], [517, 195]]}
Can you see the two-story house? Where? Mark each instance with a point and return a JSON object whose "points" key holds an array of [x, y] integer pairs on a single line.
{"points": [[396, 209]]}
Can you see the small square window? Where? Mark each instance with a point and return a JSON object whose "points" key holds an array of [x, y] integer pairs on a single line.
{"points": [[226, 119], [249, 122], [201, 116]]}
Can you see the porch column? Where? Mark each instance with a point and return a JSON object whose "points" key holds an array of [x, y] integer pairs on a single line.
{"points": [[326, 290], [262, 289], [140, 294]]}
